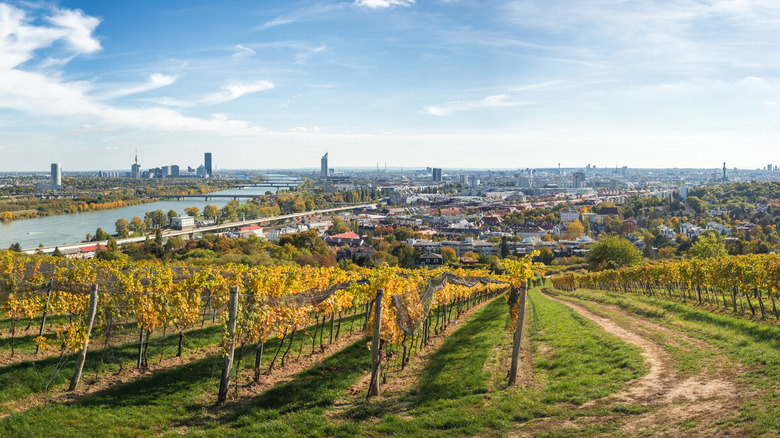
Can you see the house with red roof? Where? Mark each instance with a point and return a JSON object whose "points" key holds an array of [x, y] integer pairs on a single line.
{"points": [[350, 238], [251, 230]]}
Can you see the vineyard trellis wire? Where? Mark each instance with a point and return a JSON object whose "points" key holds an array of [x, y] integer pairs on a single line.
{"points": [[267, 302], [725, 281]]}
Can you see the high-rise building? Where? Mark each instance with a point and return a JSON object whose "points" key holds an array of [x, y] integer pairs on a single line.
{"points": [[579, 180], [207, 164], [324, 166], [768, 167], [437, 174], [135, 169], [174, 171], [56, 175], [474, 181]]}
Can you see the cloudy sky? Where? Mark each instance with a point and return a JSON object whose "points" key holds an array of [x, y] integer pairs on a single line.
{"points": [[441, 83]]}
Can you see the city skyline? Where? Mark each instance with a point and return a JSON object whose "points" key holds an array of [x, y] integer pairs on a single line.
{"points": [[450, 83]]}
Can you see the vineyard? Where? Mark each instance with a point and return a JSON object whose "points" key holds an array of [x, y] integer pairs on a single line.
{"points": [[169, 349], [729, 282], [254, 305]]}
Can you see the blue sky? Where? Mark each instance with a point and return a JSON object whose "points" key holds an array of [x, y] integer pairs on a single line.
{"points": [[441, 83]]}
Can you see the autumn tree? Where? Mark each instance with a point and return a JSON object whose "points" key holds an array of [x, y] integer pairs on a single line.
{"points": [[137, 225], [122, 228], [613, 252], [448, 254], [574, 230], [210, 211], [709, 244], [192, 211]]}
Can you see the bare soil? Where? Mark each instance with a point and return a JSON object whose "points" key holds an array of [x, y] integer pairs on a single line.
{"points": [[678, 405]]}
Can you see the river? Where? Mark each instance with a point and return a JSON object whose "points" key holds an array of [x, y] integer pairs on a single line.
{"points": [[73, 228]]}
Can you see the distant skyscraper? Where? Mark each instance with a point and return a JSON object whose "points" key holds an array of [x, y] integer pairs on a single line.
{"points": [[324, 166], [56, 175], [579, 180], [135, 169], [174, 171], [769, 167], [207, 164], [437, 174]]}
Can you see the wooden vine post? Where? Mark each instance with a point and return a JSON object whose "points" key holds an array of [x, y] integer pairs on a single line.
{"points": [[521, 294], [45, 309], [227, 365], [93, 300], [373, 387]]}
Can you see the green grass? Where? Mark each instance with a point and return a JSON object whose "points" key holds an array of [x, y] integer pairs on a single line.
{"points": [[688, 358], [752, 345], [458, 394], [171, 400]]}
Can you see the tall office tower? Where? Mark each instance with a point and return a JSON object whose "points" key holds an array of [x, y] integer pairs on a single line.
{"points": [[174, 171], [437, 174], [324, 166], [56, 175], [579, 180], [207, 164], [135, 169]]}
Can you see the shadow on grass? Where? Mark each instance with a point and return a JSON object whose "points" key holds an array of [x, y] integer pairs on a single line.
{"points": [[318, 386], [27, 377], [457, 369]]}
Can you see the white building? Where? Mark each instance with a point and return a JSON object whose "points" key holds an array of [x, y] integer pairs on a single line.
{"points": [[668, 232], [569, 215], [183, 222], [690, 230], [722, 229]]}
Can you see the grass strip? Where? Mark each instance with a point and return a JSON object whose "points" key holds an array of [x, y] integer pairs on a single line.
{"points": [[169, 401], [753, 345], [582, 363]]}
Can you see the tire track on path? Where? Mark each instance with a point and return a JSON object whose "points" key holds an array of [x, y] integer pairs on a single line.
{"points": [[700, 400]]}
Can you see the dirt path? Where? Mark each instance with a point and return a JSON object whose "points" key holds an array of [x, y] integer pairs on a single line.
{"points": [[678, 405]]}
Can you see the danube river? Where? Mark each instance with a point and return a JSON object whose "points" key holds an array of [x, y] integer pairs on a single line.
{"points": [[73, 228]]}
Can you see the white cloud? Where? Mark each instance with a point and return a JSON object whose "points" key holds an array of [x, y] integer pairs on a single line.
{"points": [[383, 4], [156, 80], [44, 93], [243, 51], [234, 91], [306, 14], [496, 101], [19, 40], [303, 58]]}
